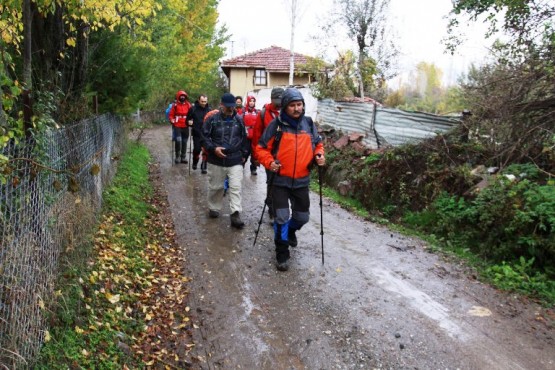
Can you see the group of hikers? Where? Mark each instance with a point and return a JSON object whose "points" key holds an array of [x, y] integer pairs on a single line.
{"points": [[280, 137]]}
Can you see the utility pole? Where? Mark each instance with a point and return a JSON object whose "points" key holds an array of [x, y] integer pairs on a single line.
{"points": [[292, 45]]}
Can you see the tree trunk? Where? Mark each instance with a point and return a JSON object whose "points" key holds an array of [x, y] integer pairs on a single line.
{"points": [[27, 61], [361, 79]]}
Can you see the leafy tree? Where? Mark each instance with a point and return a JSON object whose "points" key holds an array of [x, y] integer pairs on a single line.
{"points": [[177, 49], [513, 99], [425, 93], [129, 53], [365, 20], [336, 81], [528, 23], [186, 56]]}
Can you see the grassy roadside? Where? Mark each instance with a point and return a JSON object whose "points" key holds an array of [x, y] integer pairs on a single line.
{"points": [[124, 307]]}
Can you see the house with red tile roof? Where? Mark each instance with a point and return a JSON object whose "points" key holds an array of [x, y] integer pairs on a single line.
{"points": [[264, 68]]}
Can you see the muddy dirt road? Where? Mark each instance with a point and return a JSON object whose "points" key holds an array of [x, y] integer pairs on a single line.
{"points": [[380, 301]]}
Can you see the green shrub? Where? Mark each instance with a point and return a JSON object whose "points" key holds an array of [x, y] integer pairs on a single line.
{"points": [[506, 221], [520, 276]]}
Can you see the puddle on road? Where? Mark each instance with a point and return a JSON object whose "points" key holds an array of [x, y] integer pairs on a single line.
{"points": [[420, 301], [249, 306]]}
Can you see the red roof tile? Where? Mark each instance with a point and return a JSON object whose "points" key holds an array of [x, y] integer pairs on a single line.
{"points": [[273, 58]]}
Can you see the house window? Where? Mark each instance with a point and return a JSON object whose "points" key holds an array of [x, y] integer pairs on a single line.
{"points": [[260, 77]]}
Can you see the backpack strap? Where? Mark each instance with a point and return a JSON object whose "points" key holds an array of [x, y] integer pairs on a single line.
{"points": [[277, 139], [263, 114]]}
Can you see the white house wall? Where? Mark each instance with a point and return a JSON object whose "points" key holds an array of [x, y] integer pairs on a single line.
{"points": [[263, 97]]}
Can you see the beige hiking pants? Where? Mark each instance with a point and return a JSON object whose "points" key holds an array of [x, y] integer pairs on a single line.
{"points": [[216, 177]]}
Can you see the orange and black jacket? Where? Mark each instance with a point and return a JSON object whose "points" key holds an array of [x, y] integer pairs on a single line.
{"points": [[296, 150]]}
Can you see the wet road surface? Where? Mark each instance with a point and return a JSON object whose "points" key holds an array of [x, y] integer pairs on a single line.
{"points": [[379, 301]]}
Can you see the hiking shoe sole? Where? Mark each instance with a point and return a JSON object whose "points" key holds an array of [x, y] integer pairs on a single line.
{"points": [[282, 266]]}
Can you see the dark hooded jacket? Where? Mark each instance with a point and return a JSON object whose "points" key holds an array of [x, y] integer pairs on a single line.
{"points": [[197, 114], [228, 133]]}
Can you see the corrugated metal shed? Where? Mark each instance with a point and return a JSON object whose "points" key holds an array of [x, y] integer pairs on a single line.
{"points": [[349, 117], [399, 127], [385, 127]]}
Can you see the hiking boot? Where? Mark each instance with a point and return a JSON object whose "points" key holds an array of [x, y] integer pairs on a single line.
{"points": [[282, 253], [204, 172], [282, 266], [213, 214], [292, 238], [236, 220], [183, 160]]}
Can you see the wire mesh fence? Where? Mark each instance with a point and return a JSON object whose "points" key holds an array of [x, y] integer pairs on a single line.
{"points": [[49, 200]]}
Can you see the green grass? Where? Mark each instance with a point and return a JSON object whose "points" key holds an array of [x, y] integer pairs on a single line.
{"points": [[86, 330]]}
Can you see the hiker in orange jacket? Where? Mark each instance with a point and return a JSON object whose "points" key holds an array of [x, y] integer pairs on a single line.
{"points": [[178, 118], [288, 147]]}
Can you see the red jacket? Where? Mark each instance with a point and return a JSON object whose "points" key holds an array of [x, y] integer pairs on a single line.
{"points": [[270, 112], [178, 113], [249, 119]]}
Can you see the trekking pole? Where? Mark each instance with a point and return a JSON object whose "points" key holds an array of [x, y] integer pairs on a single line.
{"points": [[321, 211], [190, 145], [172, 145], [270, 185]]}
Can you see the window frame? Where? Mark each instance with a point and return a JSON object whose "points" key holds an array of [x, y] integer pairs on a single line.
{"points": [[259, 80]]}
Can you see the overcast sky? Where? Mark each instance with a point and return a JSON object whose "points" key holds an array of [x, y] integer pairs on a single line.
{"points": [[419, 26]]}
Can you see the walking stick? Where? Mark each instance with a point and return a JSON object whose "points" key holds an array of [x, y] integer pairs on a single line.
{"points": [[171, 152], [321, 211], [270, 185], [172, 145], [190, 144]]}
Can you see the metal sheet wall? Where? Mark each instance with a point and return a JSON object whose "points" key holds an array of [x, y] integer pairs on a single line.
{"points": [[349, 117], [392, 126]]}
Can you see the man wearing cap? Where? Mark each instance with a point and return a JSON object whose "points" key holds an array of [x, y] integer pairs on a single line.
{"points": [[225, 140], [288, 156], [268, 112]]}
